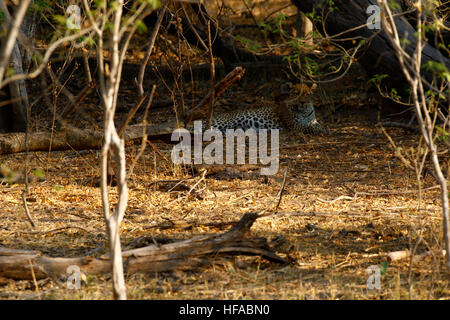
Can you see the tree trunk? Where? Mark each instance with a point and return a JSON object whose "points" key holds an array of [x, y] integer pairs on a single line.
{"points": [[304, 27], [13, 115], [378, 57]]}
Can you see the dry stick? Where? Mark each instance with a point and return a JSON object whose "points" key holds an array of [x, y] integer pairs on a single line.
{"points": [[397, 152], [144, 132], [182, 254], [170, 181], [279, 195], [131, 114], [78, 100], [27, 186], [87, 69], [213, 76], [196, 184], [156, 149], [139, 83], [220, 88], [53, 230], [399, 125], [193, 28], [57, 84], [281, 190], [337, 199], [10, 101], [34, 277], [177, 73], [25, 206]]}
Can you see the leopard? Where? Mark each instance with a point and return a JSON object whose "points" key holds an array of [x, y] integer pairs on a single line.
{"points": [[296, 115]]}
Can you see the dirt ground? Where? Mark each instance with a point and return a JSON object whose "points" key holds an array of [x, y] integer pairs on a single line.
{"points": [[347, 203]]}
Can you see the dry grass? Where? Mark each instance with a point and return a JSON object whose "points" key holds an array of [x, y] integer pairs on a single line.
{"points": [[331, 239]]}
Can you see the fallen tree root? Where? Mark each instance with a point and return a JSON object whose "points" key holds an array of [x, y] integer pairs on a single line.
{"points": [[181, 255]]}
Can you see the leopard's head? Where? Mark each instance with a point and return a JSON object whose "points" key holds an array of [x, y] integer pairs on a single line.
{"points": [[298, 110]]}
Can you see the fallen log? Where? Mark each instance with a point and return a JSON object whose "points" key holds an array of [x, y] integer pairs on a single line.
{"points": [[77, 139], [181, 255]]}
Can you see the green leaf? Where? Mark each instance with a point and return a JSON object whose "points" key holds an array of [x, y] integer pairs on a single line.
{"points": [[383, 267], [444, 135], [2, 17], [10, 71], [59, 19], [378, 78], [140, 26], [57, 187], [39, 173]]}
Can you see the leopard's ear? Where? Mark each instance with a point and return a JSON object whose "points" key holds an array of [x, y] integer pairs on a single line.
{"points": [[303, 89]]}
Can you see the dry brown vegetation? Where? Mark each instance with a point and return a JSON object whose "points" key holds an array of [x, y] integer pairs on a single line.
{"points": [[348, 202], [330, 239]]}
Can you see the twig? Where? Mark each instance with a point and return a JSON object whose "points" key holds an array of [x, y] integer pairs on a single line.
{"points": [[220, 88], [190, 224], [25, 206], [34, 278], [213, 76], [279, 195], [337, 199], [156, 149], [169, 181], [87, 69], [139, 83], [57, 84], [53, 230], [78, 100], [386, 192], [131, 114], [283, 184], [397, 151], [399, 125], [194, 30], [197, 183], [27, 154], [144, 132]]}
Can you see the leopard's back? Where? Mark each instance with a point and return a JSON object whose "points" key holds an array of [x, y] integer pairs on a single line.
{"points": [[299, 117], [261, 116]]}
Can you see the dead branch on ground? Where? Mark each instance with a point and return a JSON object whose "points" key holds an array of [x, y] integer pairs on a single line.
{"points": [[181, 255]]}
